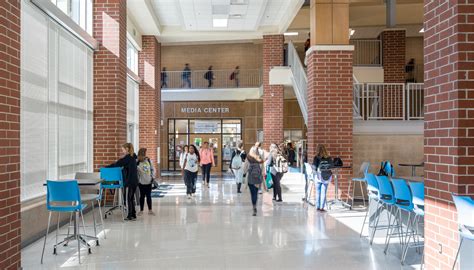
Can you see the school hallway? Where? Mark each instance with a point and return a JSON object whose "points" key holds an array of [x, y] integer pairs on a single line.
{"points": [[216, 230]]}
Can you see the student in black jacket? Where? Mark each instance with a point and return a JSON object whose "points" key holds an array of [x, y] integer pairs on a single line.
{"points": [[130, 176]]}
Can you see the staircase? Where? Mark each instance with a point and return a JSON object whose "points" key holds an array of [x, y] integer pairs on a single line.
{"points": [[299, 80]]}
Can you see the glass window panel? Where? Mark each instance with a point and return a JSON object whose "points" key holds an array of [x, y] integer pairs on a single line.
{"points": [[181, 126], [231, 126], [171, 147], [171, 126], [205, 126], [180, 140]]}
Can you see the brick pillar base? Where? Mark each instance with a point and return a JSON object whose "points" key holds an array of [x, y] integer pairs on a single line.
{"points": [[449, 125], [110, 76], [10, 222], [272, 94], [150, 97], [330, 121]]}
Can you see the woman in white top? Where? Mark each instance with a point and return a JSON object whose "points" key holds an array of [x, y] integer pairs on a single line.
{"points": [[190, 169], [182, 157], [237, 165]]}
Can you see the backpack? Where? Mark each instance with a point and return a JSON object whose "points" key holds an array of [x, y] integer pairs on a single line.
{"points": [[207, 75], [385, 170], [281, 164], [232, 76], [236, 162], [144, 173], [325, 169]]}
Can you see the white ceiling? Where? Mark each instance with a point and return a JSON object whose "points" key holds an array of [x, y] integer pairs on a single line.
{"points": [[192, 20]]}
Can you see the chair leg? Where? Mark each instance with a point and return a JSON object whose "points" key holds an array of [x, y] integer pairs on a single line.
{"points": [[102, 219], [348, 192], [376, 223], [69, 226], [45, 237], [408, 237], [362, 191], [122, 203], [457, 254], [389, 229], [93, 220], [83, 223], [353, 194], [57, 227], [365, 218]]}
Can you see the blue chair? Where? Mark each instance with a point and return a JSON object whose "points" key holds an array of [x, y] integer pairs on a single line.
{"points": [[310, 180], [403, 203], [64, 196], [465, 208], [373, 196], [364, 170], [112, 180], [418, 194], [386, 201]]}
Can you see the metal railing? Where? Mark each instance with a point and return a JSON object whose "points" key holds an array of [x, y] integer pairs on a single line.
{"points": [[299, 80], [367, 52], [201, 79], [388, 101]]}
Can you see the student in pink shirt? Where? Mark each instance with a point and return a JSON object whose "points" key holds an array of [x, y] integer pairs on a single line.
{"points": [[207, 161]]}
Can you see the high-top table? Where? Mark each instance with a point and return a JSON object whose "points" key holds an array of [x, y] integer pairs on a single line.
{"points": [[337, 199], [413, 166], [82, 237]]}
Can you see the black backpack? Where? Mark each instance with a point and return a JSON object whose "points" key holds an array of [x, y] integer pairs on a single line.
{"points": [[383, 172], [325, 169]]}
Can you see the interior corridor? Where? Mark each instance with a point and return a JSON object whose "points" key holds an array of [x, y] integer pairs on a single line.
{"points": [[216, 230]]}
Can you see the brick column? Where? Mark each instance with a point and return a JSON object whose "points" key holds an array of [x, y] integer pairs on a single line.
{"points": [[449, 125], [10, 222], [393, 61], [272, 94], [110, 75], [149, 67], [330, 120]]}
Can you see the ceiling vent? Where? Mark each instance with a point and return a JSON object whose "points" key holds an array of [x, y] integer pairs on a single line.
{"points": [[239, 2], [220, 9]]}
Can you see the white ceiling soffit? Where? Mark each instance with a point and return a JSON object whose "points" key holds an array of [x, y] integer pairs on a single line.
{"points": [[141, 11], [215, 20]]}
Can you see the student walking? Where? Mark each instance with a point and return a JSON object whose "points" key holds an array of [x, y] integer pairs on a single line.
{"points": [[274, 157], [235, 76], [186, 76], [164, 78], [145, 179], [207, 162], [182, 156], [190, 169], [130, 177], [322, 163], [237, 165], [209, 76], [254, 174]]}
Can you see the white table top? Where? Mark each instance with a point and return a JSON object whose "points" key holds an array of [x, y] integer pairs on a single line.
{"points": [[82, 182]]}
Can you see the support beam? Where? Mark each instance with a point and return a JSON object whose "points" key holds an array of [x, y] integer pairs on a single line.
{"points": [[391, 13], [329, 22]]}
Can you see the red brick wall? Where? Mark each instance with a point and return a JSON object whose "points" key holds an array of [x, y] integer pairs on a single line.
{"points": [[10, 221], [330, 120], [110, 75], [449, 100], [272, 94], [149, 66]]}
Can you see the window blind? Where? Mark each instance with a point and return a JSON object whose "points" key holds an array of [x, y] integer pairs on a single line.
{"points": [[56, 103]]}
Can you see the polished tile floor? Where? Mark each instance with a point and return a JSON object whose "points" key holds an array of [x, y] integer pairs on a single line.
{"points": [[216, 230]]}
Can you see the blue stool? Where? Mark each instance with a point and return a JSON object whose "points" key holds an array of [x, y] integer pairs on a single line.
{"points": [[112, 180], [418, 194], [465, 208], [386, 203], [364, 170], [64, 196]]}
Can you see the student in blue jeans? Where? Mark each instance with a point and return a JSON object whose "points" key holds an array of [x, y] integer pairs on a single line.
{"points": [[322, 163]]}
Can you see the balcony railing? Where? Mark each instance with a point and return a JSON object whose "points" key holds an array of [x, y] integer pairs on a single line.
{"points": [[367, 52], [388, 101], [197, 79]]}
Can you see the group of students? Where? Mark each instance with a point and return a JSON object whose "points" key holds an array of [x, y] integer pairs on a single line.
{"points": [[209, 76], [190, 160], [137, 171]]}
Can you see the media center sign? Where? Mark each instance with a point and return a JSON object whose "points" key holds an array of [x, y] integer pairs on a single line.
{"points": [[205, 110]]}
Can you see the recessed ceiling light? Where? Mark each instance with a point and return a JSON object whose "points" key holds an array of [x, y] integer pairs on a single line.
{"points": [[422, 30], [236, 16], [290, 33], [220, 22]]}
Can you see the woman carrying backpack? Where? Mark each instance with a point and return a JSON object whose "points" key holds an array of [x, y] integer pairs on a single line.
{"points": [[190, 170], [271, 163], [145, 179], [254, 174], [322, 163], [237, 165]]}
